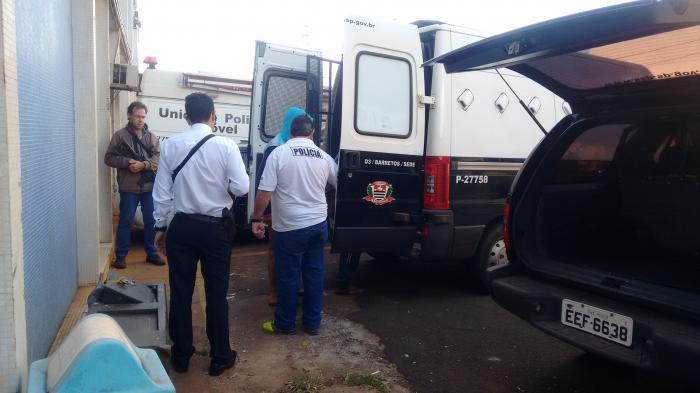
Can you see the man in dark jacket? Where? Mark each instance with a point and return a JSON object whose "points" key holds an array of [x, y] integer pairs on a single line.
{"points": [[135, 151]]}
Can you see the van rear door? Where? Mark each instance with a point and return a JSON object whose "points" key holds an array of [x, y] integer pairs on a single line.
{"points": [[382, 139], [283, 77]]}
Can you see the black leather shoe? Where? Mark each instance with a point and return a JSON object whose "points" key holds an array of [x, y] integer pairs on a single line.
{"points": [[119, 263], [216, 368], [179, 366]]}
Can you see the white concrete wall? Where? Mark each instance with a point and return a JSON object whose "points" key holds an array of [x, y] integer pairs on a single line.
{"points": [[86, 170], [13, 338], [95, 108], [103, 128]]}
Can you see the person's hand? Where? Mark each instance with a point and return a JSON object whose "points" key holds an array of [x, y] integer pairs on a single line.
{"points": [[160, 242], [258, 229], [136, 166]]}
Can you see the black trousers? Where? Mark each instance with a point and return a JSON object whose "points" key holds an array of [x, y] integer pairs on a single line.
{"points": [[187, 241]]}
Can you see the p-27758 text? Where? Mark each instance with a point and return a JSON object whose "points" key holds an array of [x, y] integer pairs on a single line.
{"points": [[472, 179]]}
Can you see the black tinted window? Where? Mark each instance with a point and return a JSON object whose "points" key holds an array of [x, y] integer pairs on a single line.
{"points": [[648, 148], [659, 148], [590, 155]]}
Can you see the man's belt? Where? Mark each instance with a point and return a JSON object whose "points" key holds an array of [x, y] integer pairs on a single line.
{"points": [[202, 217]]}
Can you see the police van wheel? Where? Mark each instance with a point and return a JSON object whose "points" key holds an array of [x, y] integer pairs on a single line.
{"points": [[492, 252]]}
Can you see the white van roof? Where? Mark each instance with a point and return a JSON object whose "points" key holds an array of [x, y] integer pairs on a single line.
{"points": [[439, 26], [177, 85]]}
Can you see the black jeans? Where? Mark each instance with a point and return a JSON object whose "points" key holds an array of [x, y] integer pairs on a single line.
{"points": [[189, 240]]}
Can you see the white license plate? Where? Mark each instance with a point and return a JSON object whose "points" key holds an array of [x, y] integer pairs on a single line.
{"points": [[593, 320]]}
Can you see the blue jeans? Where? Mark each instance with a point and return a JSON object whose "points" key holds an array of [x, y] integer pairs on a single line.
{"points": [[128, 203], [300, 252]]}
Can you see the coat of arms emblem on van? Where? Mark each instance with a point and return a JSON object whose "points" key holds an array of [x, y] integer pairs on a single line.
{"points": [[379, 193]]}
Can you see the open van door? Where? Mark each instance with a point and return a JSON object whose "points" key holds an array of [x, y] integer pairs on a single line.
{"points": [[382, 139], [283, 77]]}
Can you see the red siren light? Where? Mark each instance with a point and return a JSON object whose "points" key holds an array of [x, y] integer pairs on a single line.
{"points": [[151, 61]]}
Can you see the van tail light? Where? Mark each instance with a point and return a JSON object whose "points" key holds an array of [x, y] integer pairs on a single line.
{"points": [[506, 227], [437, 183]]}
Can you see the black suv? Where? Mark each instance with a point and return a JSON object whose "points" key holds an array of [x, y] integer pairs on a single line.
{"points": [[603, 220]]}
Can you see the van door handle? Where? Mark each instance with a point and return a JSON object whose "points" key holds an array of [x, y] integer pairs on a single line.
{"points": [[352, 160]]}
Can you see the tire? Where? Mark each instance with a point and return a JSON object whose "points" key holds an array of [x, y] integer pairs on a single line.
{"points": [[491, 252]]}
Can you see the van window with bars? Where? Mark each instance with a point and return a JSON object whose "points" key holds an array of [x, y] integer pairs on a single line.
{"points": [[383, 105], [590, 155], [281, 93]]}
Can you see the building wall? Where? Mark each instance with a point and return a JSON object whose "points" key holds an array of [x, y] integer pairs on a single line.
{"points": [[47, 148], [127, 10], [104, 57], [56, 63], [55, 192], [12, 322], [89, 250]]}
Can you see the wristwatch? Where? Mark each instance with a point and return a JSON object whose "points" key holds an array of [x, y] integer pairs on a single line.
{"points": [[161, 229], [253, 220]]}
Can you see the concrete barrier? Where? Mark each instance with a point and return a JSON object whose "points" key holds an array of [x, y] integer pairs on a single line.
{"points": [[98, 357]]}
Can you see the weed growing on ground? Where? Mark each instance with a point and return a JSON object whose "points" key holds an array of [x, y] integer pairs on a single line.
{"points": [[367, 380], [305, 384]]}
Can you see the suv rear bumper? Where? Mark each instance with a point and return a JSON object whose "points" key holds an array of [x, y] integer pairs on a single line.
{"points": [[660, 342]]}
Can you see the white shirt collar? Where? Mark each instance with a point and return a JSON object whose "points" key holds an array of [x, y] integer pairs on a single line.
{"points": [[301, 140], [200, 127]]}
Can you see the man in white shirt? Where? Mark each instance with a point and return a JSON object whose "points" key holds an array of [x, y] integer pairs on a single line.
{"points": [[198, 191], [295, 178]]}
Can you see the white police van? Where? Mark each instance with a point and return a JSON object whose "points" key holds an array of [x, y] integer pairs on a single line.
{"points": [[425, 157], [164, 92]]}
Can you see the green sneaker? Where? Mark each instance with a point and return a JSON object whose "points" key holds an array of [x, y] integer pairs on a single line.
{"points": [[269, 327]]}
